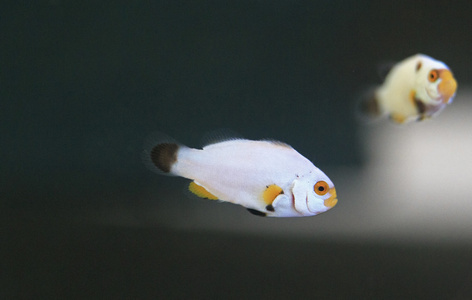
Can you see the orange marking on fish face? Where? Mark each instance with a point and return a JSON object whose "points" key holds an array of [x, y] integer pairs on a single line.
{"points": [[448, 85], [332, 200], [271, 192]]}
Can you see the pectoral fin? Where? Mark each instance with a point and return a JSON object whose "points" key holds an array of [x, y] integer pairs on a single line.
{"points": [[200, 191], [420, 106]]}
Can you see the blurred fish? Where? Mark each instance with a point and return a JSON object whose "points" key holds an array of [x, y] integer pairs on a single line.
{"points": [[269, 178], [415, 89]]}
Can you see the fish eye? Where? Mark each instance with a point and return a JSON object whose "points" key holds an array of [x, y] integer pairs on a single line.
{"points": [[321, 188], [433, 75]]}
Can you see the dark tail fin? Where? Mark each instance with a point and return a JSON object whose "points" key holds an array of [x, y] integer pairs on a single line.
{"points": [[369, 105], [164, 155], [160, 153], [368, 108]]}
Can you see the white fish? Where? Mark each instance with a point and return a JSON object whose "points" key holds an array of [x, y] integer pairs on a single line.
{"points": [[269, 178], [415, 89]]}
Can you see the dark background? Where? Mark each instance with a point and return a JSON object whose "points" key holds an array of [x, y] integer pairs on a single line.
{"points": [[83, 83]]}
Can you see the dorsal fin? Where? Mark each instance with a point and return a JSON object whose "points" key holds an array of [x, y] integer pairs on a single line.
{"points": [[384, 68], [278, 143], [220, 135]]}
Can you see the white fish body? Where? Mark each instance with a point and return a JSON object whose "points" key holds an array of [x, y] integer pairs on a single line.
{"points": [[267, 177], [415, 89]]}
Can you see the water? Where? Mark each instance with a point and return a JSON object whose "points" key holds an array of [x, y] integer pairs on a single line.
{"points": [[83, 85]]}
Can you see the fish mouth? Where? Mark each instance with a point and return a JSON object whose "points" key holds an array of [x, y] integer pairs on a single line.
{"points": [[332, 200], [328, 203], [447, 87]]}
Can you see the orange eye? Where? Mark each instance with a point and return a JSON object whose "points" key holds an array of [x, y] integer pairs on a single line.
{"points": [[433, 75], [321, 188]]}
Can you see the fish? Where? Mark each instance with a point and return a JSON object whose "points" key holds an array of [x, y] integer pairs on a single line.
{"points": [[267, 177], [415, 89]]}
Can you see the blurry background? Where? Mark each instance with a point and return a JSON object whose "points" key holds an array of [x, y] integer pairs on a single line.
{"points": [[82, 84]]}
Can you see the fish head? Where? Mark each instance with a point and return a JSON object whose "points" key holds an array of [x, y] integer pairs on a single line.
{"points": [[313, 193], [437, 80], [441, 86]]}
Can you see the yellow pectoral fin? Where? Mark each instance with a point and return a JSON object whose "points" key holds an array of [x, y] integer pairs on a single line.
{"points": [[200, 191], [271, 192]]}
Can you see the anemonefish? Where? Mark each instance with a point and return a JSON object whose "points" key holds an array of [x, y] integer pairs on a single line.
{"points": [[415, 89], [269, 178]]}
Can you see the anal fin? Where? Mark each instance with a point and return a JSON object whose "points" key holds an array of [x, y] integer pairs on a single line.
{"points": [[398, 118], [200, 191]]}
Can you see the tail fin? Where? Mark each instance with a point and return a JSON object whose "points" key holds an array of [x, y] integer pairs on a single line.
{"points": [[368, 107], [160, 153], [164, 155]]}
